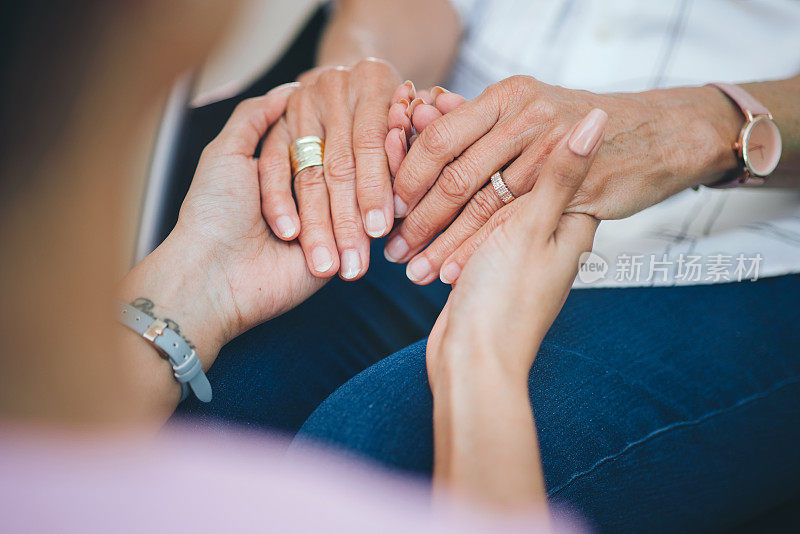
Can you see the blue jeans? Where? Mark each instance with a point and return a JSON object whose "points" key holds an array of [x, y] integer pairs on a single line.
{"points": [[657, 409]]}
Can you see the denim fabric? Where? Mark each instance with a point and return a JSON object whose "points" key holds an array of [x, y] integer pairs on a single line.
{"points": [[275, 375], [658, 409]]}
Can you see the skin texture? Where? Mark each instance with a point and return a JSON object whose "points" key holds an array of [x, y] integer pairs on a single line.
{"points": [[344, 101], [657, 144], [483, 345]]}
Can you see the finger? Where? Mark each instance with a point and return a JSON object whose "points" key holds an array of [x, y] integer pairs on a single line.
{"points": [[250, 121], [542, 209], [423, 115], [454, 264], [458, 182], [275, 180], [340, 175], [405, 91], [519, 178], [396, 148], [398, 118], [427, 265], [445, 101], [311, 191], [564, 172], [438, 144], [370, 128]]}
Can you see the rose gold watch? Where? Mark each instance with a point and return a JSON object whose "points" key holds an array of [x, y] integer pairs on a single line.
{"points": [[759, 145]]}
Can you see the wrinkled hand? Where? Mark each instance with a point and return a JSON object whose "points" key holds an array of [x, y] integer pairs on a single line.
{"points": [[658, 143], [514, 285], [348, 199]]}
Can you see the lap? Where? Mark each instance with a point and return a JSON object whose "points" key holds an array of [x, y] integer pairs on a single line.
{"points": [[276, 374], [682, 400]]}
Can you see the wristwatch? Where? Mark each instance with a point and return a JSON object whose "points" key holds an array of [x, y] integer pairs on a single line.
{"points": [[759, 145]]}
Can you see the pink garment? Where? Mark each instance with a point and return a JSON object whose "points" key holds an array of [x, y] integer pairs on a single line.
{"points": [[193, 481]]}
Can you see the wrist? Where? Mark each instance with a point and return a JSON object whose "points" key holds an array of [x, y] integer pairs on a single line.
{"points": [[178, 283], [699, 126]]}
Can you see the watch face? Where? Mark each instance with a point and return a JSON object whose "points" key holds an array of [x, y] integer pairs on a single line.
{"points": [[761, 146]]}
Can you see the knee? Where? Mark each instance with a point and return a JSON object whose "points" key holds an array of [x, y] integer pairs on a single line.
{"points": [[384, 414]]}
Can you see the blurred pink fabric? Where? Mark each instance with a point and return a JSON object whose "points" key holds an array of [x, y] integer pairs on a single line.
{"points": [[200, 482]]}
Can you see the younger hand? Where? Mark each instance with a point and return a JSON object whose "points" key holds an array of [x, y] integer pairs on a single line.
{"points": [[515, 283]]}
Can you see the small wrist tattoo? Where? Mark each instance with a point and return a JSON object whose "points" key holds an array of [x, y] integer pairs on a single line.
{"points": [[147, 306]]}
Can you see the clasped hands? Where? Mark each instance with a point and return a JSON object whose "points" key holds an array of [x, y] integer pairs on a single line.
{"points": [[252, 241]]}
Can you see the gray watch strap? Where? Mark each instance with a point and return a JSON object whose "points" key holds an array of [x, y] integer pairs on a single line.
{"points": [[186, 366]]}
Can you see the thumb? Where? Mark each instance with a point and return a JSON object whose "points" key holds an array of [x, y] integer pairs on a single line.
{"points": [[250, 121]]}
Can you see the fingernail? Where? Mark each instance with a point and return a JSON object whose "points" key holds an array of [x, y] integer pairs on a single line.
{"points": [[418, 269], [400, 207], [436, 91], [286, 227], [322, 259], [375, 223], [412, 91], [395, 249], [588, 133], [403, 101], [450, 273], [414, 103], [351, 264], [403, 140]]}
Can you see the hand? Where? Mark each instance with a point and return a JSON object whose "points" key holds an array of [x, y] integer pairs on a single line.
{"points": [[516, 282], [350, 197], [659, 143], [221, 271]]}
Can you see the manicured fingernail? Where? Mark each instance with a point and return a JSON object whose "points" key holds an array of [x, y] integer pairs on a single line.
{"points": [[436, 91], [414, 103], [450, 273], [403, 101], [322, 259], [375, 223], [286, 227], [395, 249], [418, 269], [588, 133], [412, 92], [351, 264]]}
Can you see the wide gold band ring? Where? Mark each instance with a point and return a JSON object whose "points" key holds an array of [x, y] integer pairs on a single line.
{"points": [[306, 152], [501, 188]]}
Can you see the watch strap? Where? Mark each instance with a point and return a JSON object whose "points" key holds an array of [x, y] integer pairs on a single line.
{"points": [[743, 99], [186, 366]]}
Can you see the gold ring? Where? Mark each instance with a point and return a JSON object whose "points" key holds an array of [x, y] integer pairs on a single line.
{"points": [[501, 188], [306, 152]]}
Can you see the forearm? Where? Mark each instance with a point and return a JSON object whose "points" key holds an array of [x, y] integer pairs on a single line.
{"points": [[485, 441], [418, 37], [696, 127]]}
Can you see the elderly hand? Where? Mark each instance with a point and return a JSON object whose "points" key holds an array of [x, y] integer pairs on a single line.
{"points": [[350, 197], [221, 271], [658, 143]]}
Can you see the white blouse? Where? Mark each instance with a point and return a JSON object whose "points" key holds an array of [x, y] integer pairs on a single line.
{"points": [[708, 236]]}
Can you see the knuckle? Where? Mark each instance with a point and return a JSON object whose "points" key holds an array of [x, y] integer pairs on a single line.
{"points": [[309, 180], [565, 175], [454, 182], [483, 205], [374, 189], [437, 138], [347, 227], [369, 138], [340, 166], [417, 229]]}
